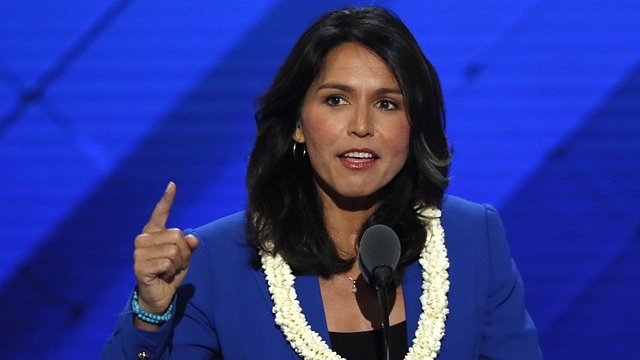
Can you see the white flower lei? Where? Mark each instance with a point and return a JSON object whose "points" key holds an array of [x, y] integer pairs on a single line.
{"points": [[435, 286]]}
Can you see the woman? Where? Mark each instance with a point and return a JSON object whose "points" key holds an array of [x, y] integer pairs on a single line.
{"points": [[362, 144]]}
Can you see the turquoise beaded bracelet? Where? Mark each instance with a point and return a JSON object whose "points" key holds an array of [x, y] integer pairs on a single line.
{"points": [[149, 317]]}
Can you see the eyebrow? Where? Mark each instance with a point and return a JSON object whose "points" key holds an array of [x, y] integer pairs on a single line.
{"points": [[348, 88]]}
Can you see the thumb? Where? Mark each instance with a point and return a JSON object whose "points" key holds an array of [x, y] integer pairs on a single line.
{"points": [[192, 242], [160, 214]]}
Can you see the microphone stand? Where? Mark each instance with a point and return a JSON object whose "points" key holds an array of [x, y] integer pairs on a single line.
{"points": [[383, 274], [378, 257]]}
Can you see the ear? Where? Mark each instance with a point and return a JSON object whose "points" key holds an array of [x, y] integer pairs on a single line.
{"points": [[298, 135]]}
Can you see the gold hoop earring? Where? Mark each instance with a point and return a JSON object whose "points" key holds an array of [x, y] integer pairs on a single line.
{"points": [[296, 155]]}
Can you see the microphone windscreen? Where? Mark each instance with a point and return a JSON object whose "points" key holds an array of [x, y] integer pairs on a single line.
{"points": [[379, 246]]}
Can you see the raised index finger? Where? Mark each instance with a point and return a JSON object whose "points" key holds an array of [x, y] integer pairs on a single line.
{"points": [[160, 214]]}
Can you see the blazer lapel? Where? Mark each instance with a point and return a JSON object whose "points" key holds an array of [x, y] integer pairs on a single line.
{"points": [[412, 289], [308, 290]]}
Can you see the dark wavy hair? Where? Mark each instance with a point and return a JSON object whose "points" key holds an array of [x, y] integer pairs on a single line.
{"points": [[284, 208]]}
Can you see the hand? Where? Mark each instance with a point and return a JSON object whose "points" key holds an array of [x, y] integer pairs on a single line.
{"points": [[161, 257]]}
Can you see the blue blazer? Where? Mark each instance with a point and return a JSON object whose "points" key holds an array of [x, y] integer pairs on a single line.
{"points": [[223, 308]]}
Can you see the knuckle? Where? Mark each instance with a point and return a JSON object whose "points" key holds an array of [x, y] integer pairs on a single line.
{"points": [[158, 267], [186, 257], [165, 264], [136, 268], [175, 233], [172, 251], [140, 240], [140, 269]]}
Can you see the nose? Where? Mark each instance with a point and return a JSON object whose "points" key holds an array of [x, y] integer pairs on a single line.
{"points": [[361, 124]]}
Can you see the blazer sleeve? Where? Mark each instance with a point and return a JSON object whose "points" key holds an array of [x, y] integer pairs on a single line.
{"points": [[189, 334], [127, 342], [508, 331]]}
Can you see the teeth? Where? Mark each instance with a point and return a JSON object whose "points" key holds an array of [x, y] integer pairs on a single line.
{"points": [[359, 155]]}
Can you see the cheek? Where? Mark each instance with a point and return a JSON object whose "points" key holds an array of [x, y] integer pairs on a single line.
{"points": [[318, 130], [319, 145], [314, 131], [399, 140]]}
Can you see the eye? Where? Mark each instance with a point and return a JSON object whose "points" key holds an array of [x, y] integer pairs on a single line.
{"points": [[335, 100], [387, 104]]}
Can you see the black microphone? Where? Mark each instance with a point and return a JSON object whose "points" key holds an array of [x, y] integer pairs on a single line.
{"points": [[378, 257]]}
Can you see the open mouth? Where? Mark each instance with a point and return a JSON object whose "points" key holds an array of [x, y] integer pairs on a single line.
{"points": [[358, 159], [358, 155]]}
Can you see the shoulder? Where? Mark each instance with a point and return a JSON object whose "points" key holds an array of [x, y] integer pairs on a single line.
{"points": [[486, 300], [467, 230], [222, 242], [230, 224], [453, 206], [223, 258], [463, 215], [229, 230], [476, 243]]}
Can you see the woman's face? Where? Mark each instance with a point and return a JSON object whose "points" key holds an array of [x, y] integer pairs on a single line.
{"points": [[354, 124]]}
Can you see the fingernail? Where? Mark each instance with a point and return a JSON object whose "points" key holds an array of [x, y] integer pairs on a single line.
{"points": [[168, 186]]}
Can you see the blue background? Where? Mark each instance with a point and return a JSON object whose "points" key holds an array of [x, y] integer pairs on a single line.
{"points": [[103, 102]]}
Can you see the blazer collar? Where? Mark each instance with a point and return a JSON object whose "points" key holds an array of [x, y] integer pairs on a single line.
{"points": [[308, 291]]}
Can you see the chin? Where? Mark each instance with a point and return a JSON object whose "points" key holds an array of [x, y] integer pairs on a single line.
{"points": [[360, 195]]}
